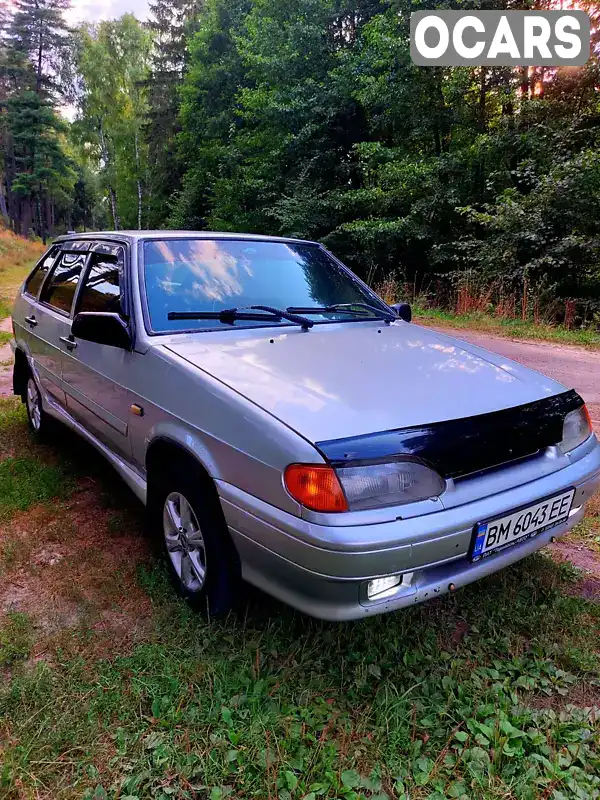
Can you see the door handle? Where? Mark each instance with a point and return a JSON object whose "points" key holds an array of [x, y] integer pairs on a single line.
{"points": [[31, 320], [71, 343]]}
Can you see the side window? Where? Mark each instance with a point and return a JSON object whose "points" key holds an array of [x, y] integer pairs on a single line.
{"points": [[102, 288], [35, 280], [63, 283]]}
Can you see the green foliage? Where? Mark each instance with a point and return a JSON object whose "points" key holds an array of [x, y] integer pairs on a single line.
{"points": [[37, 172], [41, 165], [307, 117], [171, 23], [113, 63]]}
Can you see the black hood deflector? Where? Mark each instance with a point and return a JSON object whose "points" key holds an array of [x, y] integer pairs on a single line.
{"points": [[459, 447]]}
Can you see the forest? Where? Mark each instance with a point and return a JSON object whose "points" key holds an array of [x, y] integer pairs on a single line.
{"points": [[308, 118]]}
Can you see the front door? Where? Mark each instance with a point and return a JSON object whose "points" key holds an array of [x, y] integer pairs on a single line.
{"points": [[95, 375]]}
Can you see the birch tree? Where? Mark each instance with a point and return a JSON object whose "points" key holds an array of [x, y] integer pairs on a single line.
{"points": [[113, 64]]}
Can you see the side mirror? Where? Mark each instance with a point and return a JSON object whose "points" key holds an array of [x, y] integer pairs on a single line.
{"points": [[101, 328], [403, 310]]}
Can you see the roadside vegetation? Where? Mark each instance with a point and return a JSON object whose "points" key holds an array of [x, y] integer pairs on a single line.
{"points": [[111, 689], [509, 328], [471, 308], [17, 256]]}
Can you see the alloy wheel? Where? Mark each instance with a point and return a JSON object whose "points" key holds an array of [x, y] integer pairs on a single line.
{"points": [[184, 542], [34, 404]]}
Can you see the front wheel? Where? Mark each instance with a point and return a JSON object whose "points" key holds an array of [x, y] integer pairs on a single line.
{"points": [[184, 543], [187, 521], [39, 422]]}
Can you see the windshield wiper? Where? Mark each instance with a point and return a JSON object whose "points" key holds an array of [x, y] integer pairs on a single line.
{"points": [[346, 308], [230, 315]]}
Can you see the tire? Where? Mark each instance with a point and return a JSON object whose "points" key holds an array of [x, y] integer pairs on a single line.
{"points": [[40, 424], [186, 522]]}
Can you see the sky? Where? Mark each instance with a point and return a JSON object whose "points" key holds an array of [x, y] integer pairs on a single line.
{"points": [[94, 10]]}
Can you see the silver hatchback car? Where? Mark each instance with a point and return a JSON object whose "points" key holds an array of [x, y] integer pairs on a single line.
{"points": [[285, 426]]}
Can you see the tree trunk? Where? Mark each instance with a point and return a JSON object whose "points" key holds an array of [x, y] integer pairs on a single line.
{"points": [[25, 215], [524, 71], [113, 207], [3, 206], [40, 219], [49, 227], [482, 99], [139, 182], [112, 195], [139, 188], [38, 78]]}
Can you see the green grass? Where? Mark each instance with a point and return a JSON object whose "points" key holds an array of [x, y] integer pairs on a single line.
{"points": [[482, 694], [25, 481], [16, 639], [5, 337], [272, 704], [588, 532], [511, 328], [5, 308]]}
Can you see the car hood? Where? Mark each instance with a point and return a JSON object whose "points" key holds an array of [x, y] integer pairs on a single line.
{"points": [[347, 379]]}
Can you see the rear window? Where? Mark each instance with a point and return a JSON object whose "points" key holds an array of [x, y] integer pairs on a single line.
{"points": [[63, 282], [35, 280]]}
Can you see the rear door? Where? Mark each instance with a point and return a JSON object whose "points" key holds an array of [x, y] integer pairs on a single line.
{"points": [[49, 324], [95, 375], [27, 315]]}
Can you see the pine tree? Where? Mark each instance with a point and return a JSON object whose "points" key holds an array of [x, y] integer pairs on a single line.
{"points": [[39, 35], [36, 174], [41, 171]]}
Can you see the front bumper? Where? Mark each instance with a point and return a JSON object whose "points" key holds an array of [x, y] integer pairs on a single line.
{"points": [[323, 570]]}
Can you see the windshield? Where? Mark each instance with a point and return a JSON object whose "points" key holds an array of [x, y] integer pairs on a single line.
{"points": [[198, 275]]}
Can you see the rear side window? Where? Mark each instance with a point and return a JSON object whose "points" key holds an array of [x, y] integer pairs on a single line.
{"points": [[102, 288], [35, 280], [63, 282]]}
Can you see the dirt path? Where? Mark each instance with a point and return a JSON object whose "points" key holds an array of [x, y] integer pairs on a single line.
{"points": [[575, 367], [5, 361]]}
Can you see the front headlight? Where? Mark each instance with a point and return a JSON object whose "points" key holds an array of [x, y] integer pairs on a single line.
{"points": [[577, 427], [389, 484]]}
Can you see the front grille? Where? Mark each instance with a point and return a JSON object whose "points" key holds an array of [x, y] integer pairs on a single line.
{"points": [[459, 447]]}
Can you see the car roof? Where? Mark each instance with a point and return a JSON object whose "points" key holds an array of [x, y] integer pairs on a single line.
{"points": [[133, 236]]}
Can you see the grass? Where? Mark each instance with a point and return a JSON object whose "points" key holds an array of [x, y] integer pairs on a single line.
{"points": [[25, 481], [275, 705], [17, 256], [510, 328], [111, 688], [588, 531], [16, 638]]}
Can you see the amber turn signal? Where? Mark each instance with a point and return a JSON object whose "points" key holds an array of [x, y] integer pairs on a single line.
{"points": [[315, 486]]}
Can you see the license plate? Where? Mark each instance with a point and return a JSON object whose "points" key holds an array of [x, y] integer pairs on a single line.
{"points": [[498, 534]]}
